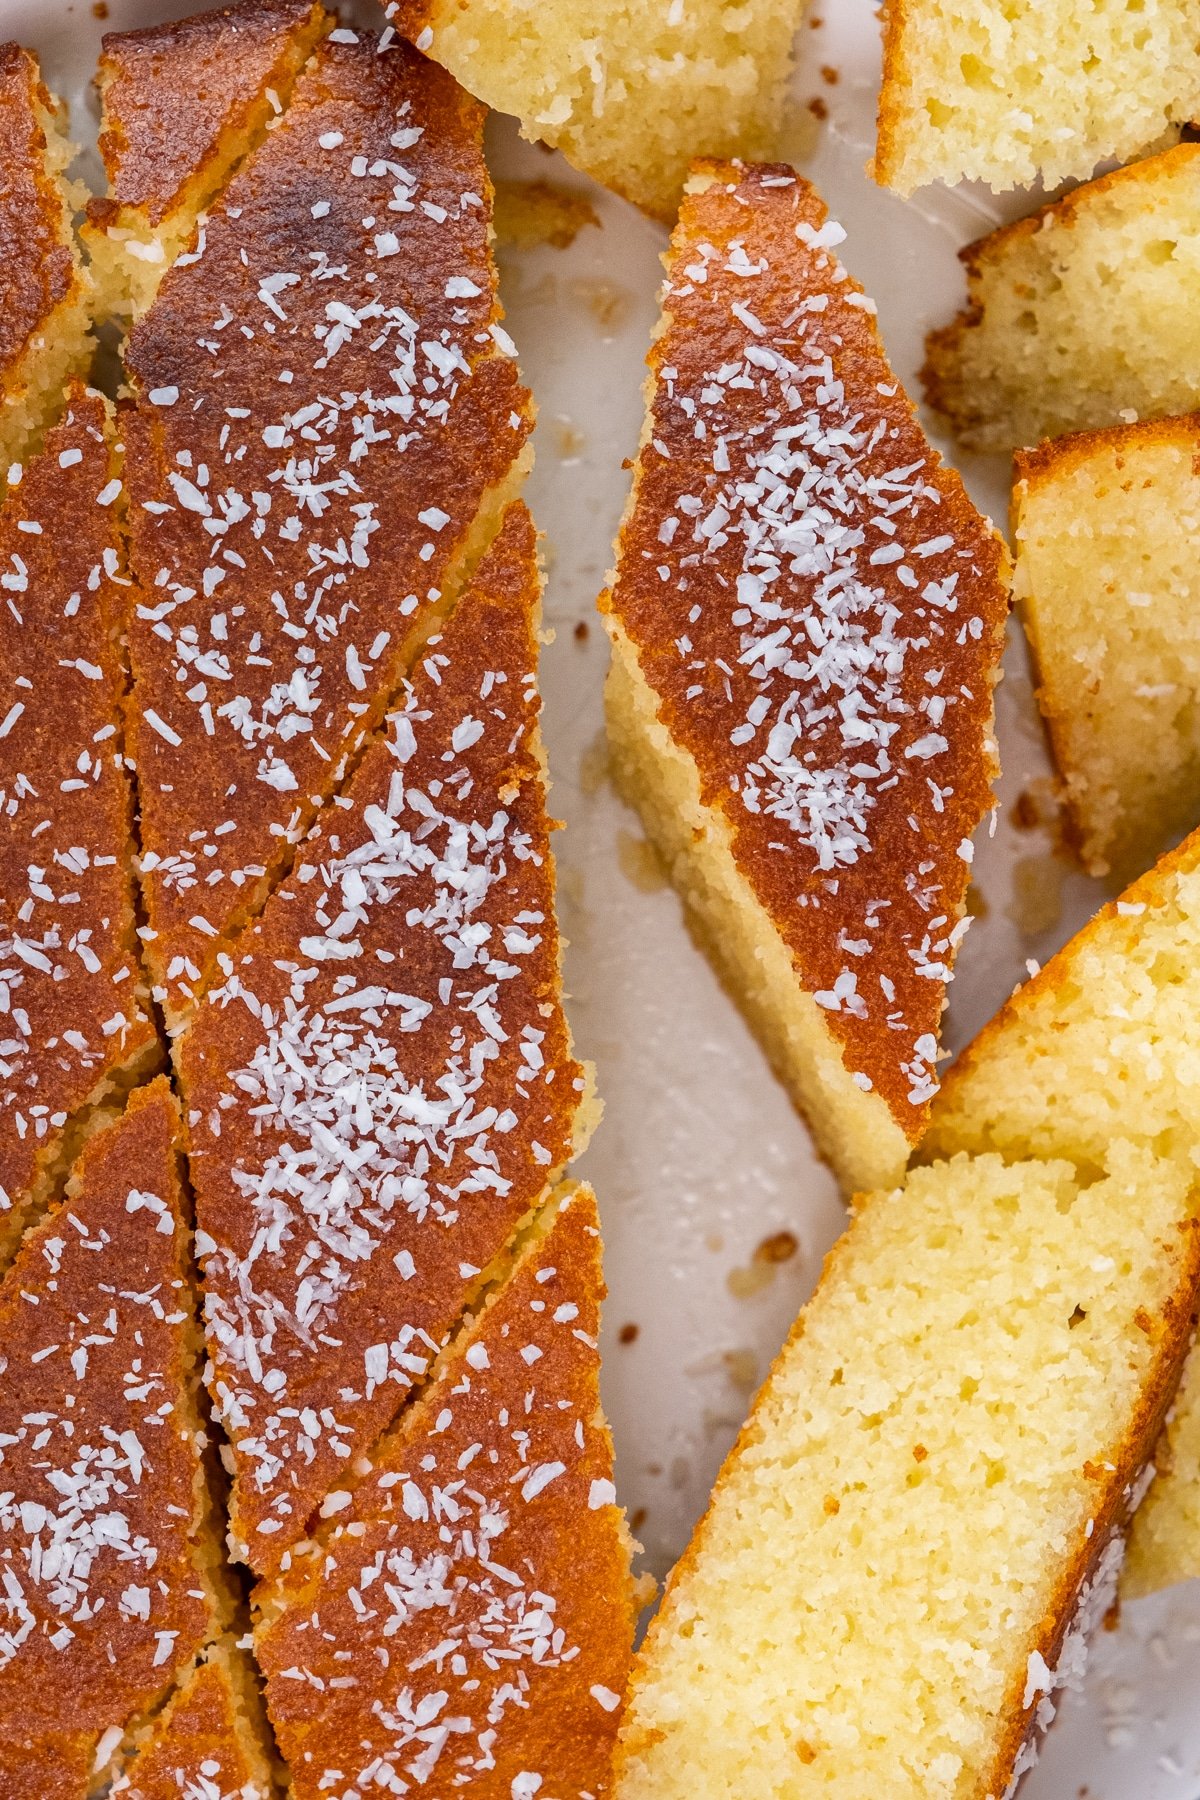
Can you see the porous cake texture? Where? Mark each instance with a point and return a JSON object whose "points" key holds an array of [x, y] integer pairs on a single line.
{"points": [[1103, 1043], [1007, 91], [74, 1025], [1107, 533], [209, 1743], [1080, 315], [807, 616], [327, 418], [466, 1621], [45, 293], [109, 1589], [181, 104], [381, 1086], [630, 93], [924, 1511]]}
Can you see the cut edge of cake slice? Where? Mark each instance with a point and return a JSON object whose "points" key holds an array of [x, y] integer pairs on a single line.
{"points": [[805, 1029], [51, 298], [211, 1739], [165, 157], [804, 1585]]}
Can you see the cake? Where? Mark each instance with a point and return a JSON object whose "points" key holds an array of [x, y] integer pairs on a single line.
{"points": [[45, 294], [108, 1569], [924, 1511], [629, 95], [181, 103], [465, 1620], [1104, 1043], [807, 617], [1107, 531], [1007, 91], [327, 419], [209, 1742], [1080, 315], [74, 1025], [381, 1086]]}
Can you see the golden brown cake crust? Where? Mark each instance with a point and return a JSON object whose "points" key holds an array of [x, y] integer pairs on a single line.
{"points": [[382, 1084], [839, 711], [196, 1748], [37, 268], [477, 1582], [70, 1009], [274, 625], [172, 91], [105, 1596]]}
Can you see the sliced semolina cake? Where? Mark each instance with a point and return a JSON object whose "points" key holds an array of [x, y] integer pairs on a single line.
{"points": [[1103, 1043], [629, 94], [1007, 91], [1079, 315], [327, 419], [45, 293], [182, 103], [108, 1576], [474, 1584], [924, 1513], [381, 1086], [210, 1742], [807, 617], [1107, 532], [74, 1024]]}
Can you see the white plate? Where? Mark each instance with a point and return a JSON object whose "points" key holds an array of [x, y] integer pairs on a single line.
{"points": [[700, 1157]]}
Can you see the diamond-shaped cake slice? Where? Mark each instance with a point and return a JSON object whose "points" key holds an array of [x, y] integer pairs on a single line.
{"points": [[327, 419], [107, 1576], [73, 1017], [209, 1743], [45, 293], [381, 1086], [807, 619], [468, 1620], [182, 103]]}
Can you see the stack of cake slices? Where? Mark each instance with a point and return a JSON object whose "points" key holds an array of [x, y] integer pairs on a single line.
{"points": [[302, 1449]]}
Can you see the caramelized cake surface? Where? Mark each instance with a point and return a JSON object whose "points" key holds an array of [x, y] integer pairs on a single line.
{"points": [[106, 1593], [817, 610], [203, 1746], [382, 1084], [323, 375], [468, 1621], [71, 1007]]}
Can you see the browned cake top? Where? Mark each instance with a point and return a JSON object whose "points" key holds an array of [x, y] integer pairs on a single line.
{"points": [[103, 1599], [37, 267], [69, 1005], [468, 1623], [382, 1082], [324, 398], [172, 92], [198, 1748], [820, 609]]}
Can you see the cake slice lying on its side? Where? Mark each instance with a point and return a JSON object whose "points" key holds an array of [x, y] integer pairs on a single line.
{"points": [[1002, 93], [108, 1561], [629, 94], [381, 1087], [74, 1024], [324, 376], [924, 1511], [1104, 1043], [476, 1580], [1107, 529], [45, 293], [807, 618], [209, 1743], [1079, 315], [182, 103]]}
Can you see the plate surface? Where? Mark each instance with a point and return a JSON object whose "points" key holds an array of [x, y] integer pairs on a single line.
{"points": [[700, 1158]]}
